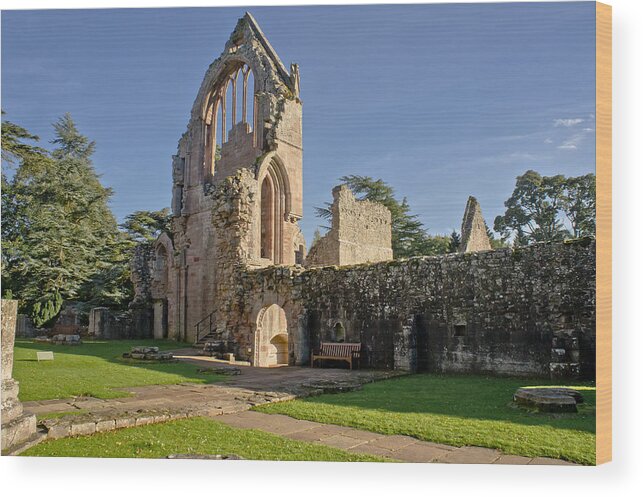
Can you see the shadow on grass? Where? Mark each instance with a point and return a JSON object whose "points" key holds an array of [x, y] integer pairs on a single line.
{"points": [[464, 397], [96, 366]]}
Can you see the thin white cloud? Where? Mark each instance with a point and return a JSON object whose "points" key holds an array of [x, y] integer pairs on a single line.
{"points": [[548, 140], [568, 145], [567, 123], [572, 143]]}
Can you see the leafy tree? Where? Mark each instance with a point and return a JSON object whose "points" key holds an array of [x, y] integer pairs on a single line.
{"points": [[146, 226], [539, 205], [579, 204], [60, 239], [495, 242], [409, 238]]}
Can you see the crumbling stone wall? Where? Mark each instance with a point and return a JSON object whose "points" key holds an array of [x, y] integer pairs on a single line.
{"points": [[505, 311], [266, 145], [360, 232], [473, 234]]}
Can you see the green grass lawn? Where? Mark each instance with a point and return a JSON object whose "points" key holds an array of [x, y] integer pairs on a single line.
{"points": [[192, 436], [458, 410], [94, 369]]}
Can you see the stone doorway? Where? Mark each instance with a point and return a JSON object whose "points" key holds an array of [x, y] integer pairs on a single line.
{"points": [[271, 340], [160, 319]]}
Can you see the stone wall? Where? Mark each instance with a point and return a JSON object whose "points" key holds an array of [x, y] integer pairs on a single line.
{"points": [[360, 232], [473, 233], [25, 327], [526, 311]]}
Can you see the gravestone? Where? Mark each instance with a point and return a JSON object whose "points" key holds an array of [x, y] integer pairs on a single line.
{"points": [[18, 428]]}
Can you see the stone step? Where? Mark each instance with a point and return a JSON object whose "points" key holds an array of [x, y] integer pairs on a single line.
{"points": [[34, 439]]}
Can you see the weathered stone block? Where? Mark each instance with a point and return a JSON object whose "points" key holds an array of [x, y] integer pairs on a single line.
{"points": [[549, 399], [59, 430], [83, 428], [105, 425]]}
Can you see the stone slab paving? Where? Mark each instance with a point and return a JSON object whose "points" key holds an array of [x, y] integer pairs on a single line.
{"points": [[159, 403], [394, 447]]}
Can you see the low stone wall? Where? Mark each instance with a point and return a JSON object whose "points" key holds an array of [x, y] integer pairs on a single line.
{"points": [[107, 324], [526, 311]]}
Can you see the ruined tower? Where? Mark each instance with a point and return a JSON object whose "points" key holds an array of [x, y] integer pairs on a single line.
{"points": [[473, 234], [360, 233], [246, 119]]}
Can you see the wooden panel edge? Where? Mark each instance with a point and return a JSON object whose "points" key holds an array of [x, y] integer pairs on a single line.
{"points": [[603, 233]]}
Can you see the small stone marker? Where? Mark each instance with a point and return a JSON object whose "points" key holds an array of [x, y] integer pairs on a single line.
{"points": [[45, 356]]}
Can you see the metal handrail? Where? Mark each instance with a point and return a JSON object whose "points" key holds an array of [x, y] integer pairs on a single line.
{"points": [[199, 331]]}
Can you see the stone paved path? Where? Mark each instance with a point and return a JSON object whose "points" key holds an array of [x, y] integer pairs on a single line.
{"points": [[395, 447], [231, 399], [159, 403]]}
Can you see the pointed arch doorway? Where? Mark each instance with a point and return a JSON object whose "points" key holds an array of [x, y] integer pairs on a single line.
{"points": [[271, 338]]}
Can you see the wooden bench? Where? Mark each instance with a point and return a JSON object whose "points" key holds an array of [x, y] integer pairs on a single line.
{"points": [[337, 351]]}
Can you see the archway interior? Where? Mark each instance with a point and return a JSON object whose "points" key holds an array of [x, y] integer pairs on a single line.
{"points": [[273, 337]]}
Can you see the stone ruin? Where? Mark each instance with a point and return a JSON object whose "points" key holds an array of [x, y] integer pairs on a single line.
{"points": [[473, 234], [549, 399], [234, 269], [60, 339], [360, 233], [148, 354], [18, 430]]}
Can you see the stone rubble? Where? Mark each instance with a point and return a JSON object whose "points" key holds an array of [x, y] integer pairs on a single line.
{"points": [[549, 399], [148, 354]]}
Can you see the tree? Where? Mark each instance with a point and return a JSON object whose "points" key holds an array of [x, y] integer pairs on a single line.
{"points": [[13, 148], [579, 205], [316, 237], [454, 242], [146, 226], [60, 239], [409, 238], [495, 242], [539, 205]]}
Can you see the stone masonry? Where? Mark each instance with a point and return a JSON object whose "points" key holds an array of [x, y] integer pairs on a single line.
{"points": [[474, 230], [231, 270], [18, 428], [360, 232]]}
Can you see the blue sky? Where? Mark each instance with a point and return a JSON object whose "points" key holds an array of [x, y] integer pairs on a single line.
{"points": [[441, 101]]}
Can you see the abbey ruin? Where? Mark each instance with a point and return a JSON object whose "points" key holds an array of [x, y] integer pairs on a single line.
{"points": [[235, 267]]}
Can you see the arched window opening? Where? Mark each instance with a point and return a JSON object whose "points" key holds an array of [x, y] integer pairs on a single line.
{"points": [[230, 97], [210, 141], [240, 95], [249, 113], [267, 218], [232, 102], [160, 268], [219, 129], [275, 203], [339, 333]]}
